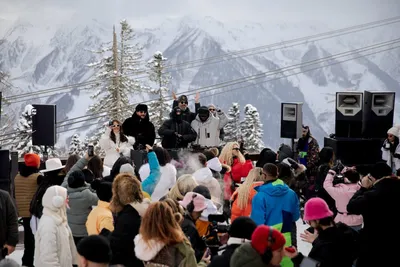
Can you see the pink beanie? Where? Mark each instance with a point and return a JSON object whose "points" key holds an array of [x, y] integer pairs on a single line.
{"points": [[315, 209], [199, 201]]}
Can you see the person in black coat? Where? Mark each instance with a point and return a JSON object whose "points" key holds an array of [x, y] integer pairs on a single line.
{"points": [[239, 233], [176, 132], [140, 127], [128, 202], [182, 102], [377, 202], [8, 224]]}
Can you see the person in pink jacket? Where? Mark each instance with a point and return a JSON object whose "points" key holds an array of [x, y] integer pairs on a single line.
{"points": [[342, 192]]}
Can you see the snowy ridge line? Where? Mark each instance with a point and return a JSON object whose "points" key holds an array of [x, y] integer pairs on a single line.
{"points": [[279, 45], [224, 91], [252, 77]]}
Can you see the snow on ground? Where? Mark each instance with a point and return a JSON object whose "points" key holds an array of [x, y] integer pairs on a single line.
{"points": [[303, 247]]}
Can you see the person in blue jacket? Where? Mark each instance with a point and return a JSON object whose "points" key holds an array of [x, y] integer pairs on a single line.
{"points": [[276, 205]]}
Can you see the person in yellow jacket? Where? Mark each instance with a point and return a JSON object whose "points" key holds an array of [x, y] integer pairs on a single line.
{"points": [[101, 216]]}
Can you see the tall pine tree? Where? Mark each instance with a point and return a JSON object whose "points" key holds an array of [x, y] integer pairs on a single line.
{"points": [[232, 129], [114, 74], [251, 128], [159, 108]]}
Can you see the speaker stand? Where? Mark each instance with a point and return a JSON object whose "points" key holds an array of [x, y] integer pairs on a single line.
{"points": [[45, 154]]}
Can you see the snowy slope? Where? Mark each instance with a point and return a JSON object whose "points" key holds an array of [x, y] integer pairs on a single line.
{"points": [[40, 56]]}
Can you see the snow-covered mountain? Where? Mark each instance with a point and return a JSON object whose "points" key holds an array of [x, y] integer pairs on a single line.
{"points": [[46, 56]]}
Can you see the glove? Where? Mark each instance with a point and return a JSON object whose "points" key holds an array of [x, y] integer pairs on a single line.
{"points": [[247, 156]]}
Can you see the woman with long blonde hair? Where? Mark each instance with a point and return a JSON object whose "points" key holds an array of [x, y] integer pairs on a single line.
{"points": [[240, 168], [163, 244], [185, 183], [243, 196]]}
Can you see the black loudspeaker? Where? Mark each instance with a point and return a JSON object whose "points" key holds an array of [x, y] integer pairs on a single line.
{"points": [[378, 113], [5, 170], [349, 116], [356, 151], [291, 120], [13, 170], [44, 122]]}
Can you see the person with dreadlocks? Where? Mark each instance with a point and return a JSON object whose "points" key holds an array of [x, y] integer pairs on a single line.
{"points": [[176, 132], [308, 149]]}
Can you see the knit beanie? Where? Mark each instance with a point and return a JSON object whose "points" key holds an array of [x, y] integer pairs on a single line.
{"points": [[141, 107], [183, 98], [395, 130], [242, 227], [380, 170], [103, 190], [95, 248], [259, 239], [127, 168], [32, 160], [76, 179]]}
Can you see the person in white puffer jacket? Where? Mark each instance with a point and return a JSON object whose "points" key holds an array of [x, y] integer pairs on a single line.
{"points": [[204, 176], [115, 143], [208, 127], [391, 148], [54, 244]]}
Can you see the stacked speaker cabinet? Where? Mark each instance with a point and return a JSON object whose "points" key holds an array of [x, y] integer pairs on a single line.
{"points": [[378, 113], [5, 166], [44, 122], [349, 116], [291, 120]]}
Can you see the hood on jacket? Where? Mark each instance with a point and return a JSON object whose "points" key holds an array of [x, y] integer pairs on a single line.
{"points": [[202, 175], [266, 156], [137, 118], [214, 164], [146, 251], [246, 256], [174, 116], [211, 209], [142, 207], [203, 114], [273, 188]]}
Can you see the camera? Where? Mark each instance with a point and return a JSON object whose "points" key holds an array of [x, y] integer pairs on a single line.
{"points": [[338, 179], [214, 230]]}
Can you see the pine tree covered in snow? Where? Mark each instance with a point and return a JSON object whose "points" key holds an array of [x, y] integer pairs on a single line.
{"points": [[22, 140], [159, 108], [4, 89], [76, 147], [232, 129], [251, 128], [114, 74]]}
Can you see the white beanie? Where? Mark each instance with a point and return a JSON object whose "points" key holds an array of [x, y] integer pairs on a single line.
{"points": [[395, 130], [127, 168]]}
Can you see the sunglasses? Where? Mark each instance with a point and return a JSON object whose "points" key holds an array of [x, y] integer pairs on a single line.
{"points": [[142, 111], [184, 102], [211, 109], [115, 126], [236, 148]]}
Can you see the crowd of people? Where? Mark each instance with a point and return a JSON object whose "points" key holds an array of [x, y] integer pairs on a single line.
{"points": [[93, 212]]}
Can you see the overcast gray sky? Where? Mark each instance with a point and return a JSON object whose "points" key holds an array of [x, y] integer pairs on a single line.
{"points": [[334, 13]]}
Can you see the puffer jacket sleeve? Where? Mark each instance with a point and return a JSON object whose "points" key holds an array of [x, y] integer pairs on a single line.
{"points": [[152, 180], [334, 192], [78, 166], [12, 222], [223, 120], [258, 209], [165, 129], [105, 142], [190, 136], [125, 147], [358, 204], [48, 248]]}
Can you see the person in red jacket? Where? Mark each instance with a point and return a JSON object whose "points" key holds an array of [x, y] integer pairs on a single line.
{"points": [[240, 168]]}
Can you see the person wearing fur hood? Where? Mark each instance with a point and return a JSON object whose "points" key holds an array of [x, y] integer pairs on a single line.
{"points": [[391, 148], [130, 205], [54, 244]]}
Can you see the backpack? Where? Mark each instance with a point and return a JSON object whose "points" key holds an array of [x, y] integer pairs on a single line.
{"points": [[36, 207]]}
